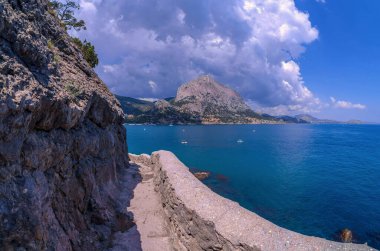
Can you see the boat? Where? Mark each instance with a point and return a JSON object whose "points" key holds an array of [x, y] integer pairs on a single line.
{"points": [[239, 141], [183, 142]]}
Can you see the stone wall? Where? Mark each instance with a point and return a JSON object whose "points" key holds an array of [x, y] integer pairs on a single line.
{"points": [[203, 220]]}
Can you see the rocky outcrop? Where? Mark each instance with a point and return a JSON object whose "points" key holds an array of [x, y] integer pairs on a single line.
{"points": [[206, 97], [203, 220], [62, 141], [202, 175]]}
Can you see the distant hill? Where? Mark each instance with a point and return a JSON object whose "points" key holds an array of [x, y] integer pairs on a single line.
{"points": [[132, 106], [313, 120], [158, 112], [205, 101], [290, 119], [200, 101]]}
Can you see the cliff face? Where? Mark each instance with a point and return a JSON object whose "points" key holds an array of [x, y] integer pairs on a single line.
{"points": [[62, 141]]}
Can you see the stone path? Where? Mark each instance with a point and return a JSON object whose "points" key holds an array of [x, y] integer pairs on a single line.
{"points": [[143, 205]]}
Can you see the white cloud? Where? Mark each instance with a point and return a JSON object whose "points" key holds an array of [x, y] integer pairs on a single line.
{"points": [[153, 86], [149, 99], [251, 45], [110, 68], [346, 104], [181, 16], [321, 1], [88, 6]]}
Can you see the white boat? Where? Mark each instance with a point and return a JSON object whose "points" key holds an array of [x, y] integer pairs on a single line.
{"points": [[239, 141], [183, 142], [170, 125]]}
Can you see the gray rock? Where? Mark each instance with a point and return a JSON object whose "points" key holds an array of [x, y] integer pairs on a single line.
{"points": [[62, 141], [204, 96]]}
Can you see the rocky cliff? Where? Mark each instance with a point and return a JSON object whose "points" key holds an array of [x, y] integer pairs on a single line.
{"points": [[205, 97], [62, 142]]}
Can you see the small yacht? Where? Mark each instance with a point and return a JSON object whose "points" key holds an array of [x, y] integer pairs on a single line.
{"points": [[239, 141], [183, 142]]}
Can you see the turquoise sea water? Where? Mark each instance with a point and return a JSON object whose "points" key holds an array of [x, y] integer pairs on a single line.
{"points": [[313, 179]]}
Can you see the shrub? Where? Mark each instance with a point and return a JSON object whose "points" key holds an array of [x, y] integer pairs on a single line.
{"points": [[88, 52], [72, 89]]}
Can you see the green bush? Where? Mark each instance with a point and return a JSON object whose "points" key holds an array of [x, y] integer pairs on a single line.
{"points": [[88, 51], [50, 45]]}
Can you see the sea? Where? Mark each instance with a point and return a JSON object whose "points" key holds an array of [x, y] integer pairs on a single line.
{"points": [[312, 179]]}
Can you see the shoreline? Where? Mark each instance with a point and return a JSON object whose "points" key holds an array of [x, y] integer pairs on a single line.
{"points": [[204, 220], [276, 124]]}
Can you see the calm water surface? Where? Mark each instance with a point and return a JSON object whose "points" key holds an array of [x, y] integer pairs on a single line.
{"points": [[313, 179]]}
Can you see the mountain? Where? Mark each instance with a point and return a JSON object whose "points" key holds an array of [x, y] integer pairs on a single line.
{"points": [[205, 101], [200, 101], [290, 119], [132, 106], [205, 97], [313, 120]]}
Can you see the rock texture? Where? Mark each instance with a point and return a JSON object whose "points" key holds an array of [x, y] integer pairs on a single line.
{"points": [[61, 138], [203, 220], [205, 97]]}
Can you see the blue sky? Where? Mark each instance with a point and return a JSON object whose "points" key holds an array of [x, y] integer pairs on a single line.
{"points": [[283, 57], [345, 60]]}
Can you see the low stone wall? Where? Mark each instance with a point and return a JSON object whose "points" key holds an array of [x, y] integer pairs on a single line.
{"points": [[203, 220]]}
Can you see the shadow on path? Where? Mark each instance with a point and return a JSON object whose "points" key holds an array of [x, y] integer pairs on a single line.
{"points": [[131, 239]]}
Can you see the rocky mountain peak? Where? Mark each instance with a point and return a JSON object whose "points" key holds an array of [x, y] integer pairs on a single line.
{"points": [[205, 96]]}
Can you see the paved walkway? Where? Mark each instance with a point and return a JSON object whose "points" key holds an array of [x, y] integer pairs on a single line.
{"points": [[144, 206]]}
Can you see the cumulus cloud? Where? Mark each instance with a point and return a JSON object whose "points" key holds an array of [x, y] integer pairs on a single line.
{"points": [[345, 104], [150, 47]]}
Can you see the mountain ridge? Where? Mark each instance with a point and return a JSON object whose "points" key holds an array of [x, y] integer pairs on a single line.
{"points": [[206, 101], [199, 101]]}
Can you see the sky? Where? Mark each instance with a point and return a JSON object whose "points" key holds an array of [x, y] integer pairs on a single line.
{"points": [[320, 57]]}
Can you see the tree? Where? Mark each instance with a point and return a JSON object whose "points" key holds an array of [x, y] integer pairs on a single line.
{"points": [[65, 13], [88, 51]]}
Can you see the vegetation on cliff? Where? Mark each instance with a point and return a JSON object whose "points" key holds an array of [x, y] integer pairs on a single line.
{"points": [[88, 51], [65, 13]]}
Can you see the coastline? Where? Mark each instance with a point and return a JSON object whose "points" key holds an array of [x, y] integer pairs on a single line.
{"points": [[205, 124], [203, 220]]}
